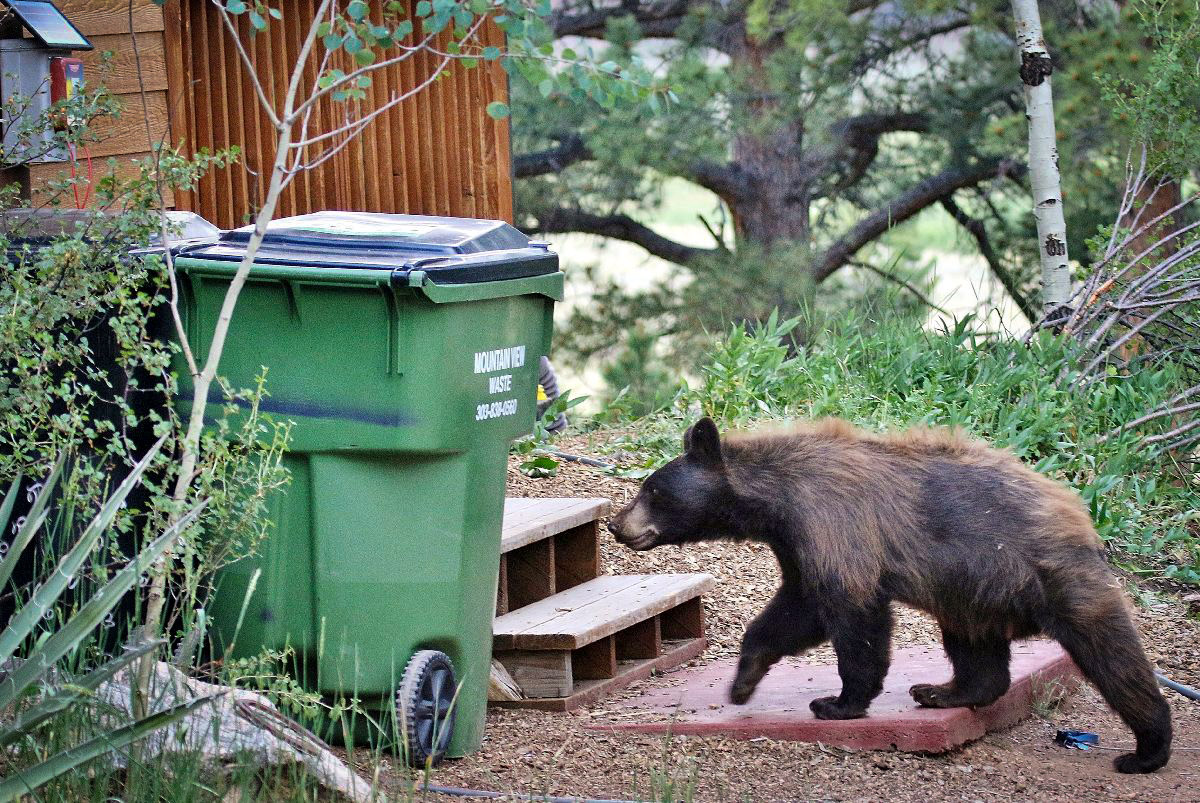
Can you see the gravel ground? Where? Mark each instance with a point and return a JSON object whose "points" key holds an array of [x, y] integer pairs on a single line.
{"points": [[537, 753]]}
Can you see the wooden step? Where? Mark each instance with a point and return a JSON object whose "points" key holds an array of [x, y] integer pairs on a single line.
{"points": [[598, 608], [527, 520], [569, 649], [547, 546]]}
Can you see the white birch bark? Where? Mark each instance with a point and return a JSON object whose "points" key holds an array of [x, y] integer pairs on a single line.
{"points": [[1043, 155]]}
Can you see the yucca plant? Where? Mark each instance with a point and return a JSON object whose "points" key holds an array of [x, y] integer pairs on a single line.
{"points": [[29, 674]]}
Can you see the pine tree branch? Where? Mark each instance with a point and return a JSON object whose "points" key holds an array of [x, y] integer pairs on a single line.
{"points": [[619, 227], [907, 204], [978, 230], [730, 181], [657, 20], [571, 149]]}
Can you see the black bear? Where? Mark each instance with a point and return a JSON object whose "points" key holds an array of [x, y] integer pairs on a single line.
{"points": [[991, 549]]}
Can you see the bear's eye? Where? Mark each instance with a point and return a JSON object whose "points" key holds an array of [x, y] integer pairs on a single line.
{"points": [[652, 490]]}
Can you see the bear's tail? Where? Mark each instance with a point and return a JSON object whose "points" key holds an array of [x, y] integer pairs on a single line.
{"points": [[1105, 646]]}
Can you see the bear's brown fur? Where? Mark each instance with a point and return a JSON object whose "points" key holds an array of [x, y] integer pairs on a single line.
{"points": [[991, 549]]}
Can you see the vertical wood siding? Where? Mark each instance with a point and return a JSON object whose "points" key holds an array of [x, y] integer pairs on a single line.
{"points": [[438, 153]]}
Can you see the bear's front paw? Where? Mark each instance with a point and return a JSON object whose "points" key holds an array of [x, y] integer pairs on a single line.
{"points": [[740, 692], [932, 695], [831, 708]]}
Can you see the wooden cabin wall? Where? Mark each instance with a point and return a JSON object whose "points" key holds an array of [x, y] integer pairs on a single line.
{"points": [[107, 24], [438, 153]]}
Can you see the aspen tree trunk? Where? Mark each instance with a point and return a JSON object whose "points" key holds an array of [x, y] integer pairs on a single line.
{"points": [[1043, 155]]}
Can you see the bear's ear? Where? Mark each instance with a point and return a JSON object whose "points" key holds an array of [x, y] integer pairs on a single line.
{"points": [[702, 441]]}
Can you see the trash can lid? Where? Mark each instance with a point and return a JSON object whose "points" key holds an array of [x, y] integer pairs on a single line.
{"points": [[448, 249]]}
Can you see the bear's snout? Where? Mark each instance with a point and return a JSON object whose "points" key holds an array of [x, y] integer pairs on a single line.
{"points": [[631, 528]]}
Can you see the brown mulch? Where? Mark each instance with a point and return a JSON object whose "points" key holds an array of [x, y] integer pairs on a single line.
{"points": [[538, 753]]}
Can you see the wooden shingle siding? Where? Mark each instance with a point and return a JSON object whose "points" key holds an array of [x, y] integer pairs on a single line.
{"points": [[437, 153]]}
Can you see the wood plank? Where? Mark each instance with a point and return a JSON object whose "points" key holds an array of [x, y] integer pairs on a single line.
{"points": [[126, 134], [100, 17], [595, 609], [521, 619], [530, 574], [502, 606], [43, 173], [595, 661], [179, 95], [684, 621], [640, 641], [586, 692], [113, 64], [576, 555], [543, 518], [539, 674]]}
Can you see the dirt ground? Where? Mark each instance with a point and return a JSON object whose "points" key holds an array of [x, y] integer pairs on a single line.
{"points": [[554, 754]]}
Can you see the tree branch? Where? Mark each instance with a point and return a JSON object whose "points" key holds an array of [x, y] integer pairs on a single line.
{"points": [[657, 20], [620, 227], [978, 230], [571, 149], [730, 181], [907, 204], [856, 140]]}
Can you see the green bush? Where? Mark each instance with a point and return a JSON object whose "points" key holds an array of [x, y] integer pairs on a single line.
{"points": [[1020, 396]]}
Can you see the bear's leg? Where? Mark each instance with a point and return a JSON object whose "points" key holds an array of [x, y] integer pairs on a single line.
{"points": [[789, 625], [980, 674], [861, 637], [1105, 646]]}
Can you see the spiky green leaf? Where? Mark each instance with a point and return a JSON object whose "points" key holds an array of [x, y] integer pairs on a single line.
{"points": [[24, 782]]}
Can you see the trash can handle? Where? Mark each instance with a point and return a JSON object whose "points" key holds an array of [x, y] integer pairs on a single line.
{"points": [[550, 285]]}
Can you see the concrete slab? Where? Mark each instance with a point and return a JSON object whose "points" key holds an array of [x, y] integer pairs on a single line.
{"points": [[695, 702]]}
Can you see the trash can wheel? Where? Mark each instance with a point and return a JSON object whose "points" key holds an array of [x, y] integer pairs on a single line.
{"points": [[425, 706]]}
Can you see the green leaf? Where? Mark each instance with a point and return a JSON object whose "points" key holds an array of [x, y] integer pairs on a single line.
{"points": [[424, 8], [491, 53], [403, 29], [497, 110], [356, 10], [470, 63], [46, 594], [332, 41], [70, 693], [67, 637], [235, 7], [546, 87], [275, 13], [543, 466], [22, 782], [365, 57], [569, 54], [352, 44], [33, 519], [257, 21]]}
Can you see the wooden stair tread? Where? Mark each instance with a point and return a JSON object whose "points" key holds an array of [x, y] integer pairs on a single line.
{"points": [[593, 610], [527, 520]]}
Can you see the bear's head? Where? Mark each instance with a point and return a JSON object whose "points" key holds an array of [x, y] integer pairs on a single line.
{"points": [[686, 500]]}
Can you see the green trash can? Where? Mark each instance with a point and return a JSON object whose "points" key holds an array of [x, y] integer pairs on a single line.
{"points": [[405, 349]]}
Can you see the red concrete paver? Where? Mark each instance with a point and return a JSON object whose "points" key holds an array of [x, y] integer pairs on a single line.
{"points": [[697, 700]]}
